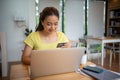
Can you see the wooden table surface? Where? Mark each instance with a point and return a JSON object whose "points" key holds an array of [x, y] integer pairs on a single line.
{"points": [[21, 72], [65, 76]]}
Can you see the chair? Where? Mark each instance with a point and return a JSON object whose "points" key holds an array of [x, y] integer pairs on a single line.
{"points": [[74, 43], [82, 42], [94, 49], [115, 50]]}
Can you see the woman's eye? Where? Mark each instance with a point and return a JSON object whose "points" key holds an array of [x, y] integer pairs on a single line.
{"points": [[56, 24], [48, 24]]}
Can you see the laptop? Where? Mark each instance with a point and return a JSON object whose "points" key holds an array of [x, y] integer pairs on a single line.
{"points": [[55, 61]]}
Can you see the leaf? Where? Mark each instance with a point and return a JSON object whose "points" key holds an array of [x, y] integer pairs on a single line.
{"points": [[27, 32]]}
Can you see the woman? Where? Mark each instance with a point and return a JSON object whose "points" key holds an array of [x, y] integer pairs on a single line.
{"points": [[46, 35]]}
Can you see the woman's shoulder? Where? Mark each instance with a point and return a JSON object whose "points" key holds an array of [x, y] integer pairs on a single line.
{"points": [[60, 33], [33, 34]]}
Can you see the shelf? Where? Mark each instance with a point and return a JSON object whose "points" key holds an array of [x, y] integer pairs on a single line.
{"points": [[114, 26], [115, 18], [115, 8], [115, 34]]}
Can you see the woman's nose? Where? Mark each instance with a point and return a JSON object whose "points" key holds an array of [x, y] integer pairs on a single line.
{"points": [[53, 26]]}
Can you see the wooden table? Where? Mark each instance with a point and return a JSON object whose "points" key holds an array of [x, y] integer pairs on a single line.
{"points": [[21, 72], [103, 41]]}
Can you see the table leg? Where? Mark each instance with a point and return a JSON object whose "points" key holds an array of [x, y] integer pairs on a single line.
{"points": [[87, 50], [102, 54]]}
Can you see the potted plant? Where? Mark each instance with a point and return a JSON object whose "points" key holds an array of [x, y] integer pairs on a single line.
{"points": [[27, 31]]}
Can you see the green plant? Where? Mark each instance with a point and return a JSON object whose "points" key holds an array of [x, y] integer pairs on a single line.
{"points": [[95, 48], [27, 31]]}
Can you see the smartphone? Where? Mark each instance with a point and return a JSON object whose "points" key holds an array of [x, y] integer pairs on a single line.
{"points": [[93, 69], [60, 44]]}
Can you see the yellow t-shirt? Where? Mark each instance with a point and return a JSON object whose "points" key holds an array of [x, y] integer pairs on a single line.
{"points": [[34, 41]]}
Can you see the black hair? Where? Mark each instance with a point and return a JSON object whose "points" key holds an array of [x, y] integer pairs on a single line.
{"points": [[48, 11]]}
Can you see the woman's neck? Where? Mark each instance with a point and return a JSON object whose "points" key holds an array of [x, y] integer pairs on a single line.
{"points": [[45, 34], [46, 37]]}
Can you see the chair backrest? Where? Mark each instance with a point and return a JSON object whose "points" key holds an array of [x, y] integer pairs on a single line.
{"points": [[82, 40]]}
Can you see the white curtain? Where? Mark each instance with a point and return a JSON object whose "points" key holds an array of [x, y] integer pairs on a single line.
{"points": [[74, 19], [96, 23]]}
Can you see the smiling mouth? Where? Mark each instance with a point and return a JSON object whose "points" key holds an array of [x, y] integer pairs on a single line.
{"points": [[51, 30]]}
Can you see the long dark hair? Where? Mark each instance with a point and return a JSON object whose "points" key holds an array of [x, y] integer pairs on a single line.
{"points": [[48, 11]]}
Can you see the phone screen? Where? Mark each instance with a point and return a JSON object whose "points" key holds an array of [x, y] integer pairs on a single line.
{"points": [[60, 44]]}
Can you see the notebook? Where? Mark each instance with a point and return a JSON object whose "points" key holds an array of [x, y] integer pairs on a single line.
{"points": [[104, 75], [55, 61]]}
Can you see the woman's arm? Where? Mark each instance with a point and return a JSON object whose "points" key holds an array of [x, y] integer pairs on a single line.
{"points": [[26, 55]]}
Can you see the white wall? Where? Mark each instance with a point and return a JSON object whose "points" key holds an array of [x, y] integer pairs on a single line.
{"points": [[96, 24], [15, 34], [32, 20], [0, 26]]}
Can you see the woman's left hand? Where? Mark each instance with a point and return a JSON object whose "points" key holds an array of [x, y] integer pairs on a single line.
{"points": [[66, 45]]}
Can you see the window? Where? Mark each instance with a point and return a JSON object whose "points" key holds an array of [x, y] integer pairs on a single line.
{"points": [[76, 16], [37, 11]]}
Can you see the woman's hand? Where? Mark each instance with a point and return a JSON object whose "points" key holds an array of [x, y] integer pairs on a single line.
{"points": [[66, 45]]}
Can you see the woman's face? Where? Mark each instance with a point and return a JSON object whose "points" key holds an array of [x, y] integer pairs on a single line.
{"points": [[50, 24]]}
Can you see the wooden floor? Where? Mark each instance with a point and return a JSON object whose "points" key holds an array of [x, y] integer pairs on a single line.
{"points": [[115, 64], [0, 71]]}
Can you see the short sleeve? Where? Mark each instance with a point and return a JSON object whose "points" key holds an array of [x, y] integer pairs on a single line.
{"points": [[29, 40], [62, 37]]}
